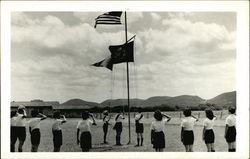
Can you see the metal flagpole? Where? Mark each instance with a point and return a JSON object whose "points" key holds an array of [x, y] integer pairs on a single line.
{"points": [[126, 35]]}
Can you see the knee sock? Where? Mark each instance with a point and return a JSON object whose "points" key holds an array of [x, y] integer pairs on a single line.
{"points": [[141, 141], [118, 140], [138, 141]]}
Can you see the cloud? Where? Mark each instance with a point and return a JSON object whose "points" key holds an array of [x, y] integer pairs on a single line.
{"points": [[155, 16], [177, 57]]}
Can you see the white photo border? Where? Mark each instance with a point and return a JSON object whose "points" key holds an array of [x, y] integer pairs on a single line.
{"points": [[242, 69]]}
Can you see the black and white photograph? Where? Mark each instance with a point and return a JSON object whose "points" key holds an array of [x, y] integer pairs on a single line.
{"points": [[100, 81]]}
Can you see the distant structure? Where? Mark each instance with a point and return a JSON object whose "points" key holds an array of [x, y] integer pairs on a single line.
{"points": [[72, 111], [44, 107]]}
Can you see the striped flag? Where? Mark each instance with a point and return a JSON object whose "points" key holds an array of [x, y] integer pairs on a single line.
{"points": [[105, 63], [109, 18]]}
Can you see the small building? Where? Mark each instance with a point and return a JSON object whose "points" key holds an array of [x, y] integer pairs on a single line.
{"points": [[71, 111], [44, 107]]}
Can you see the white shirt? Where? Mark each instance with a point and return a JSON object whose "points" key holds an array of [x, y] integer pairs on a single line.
{"points": [[105, 119], [188, 123], [84, 125], [57, 124], [13, 121], [231, 120], [20, 121], [34, 123], [138, 116], [158, 126], [208, 124], [120, 118]]}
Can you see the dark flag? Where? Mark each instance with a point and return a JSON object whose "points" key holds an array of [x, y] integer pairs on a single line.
{"points": [[109, 18], [122, 53], [105, 63]]}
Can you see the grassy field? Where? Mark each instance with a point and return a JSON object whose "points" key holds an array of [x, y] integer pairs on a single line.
{"points": [[172, 133]]}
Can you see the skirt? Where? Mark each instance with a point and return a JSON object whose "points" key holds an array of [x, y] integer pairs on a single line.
{"points": [[118, 126], [20, 133], [35, 136], [188, 137], [105, 127], [86, 140], [209, 136], [231, 134], [158, 140], [13, 136], [139, 128], [57, 138]]}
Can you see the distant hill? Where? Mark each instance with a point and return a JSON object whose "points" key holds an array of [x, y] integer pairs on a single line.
{"points": [[224, 99], [80, 102], [122, 102]]}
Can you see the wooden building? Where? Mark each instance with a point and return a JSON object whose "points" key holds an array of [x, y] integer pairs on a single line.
{"points": [[44, 107], [71, 111]]}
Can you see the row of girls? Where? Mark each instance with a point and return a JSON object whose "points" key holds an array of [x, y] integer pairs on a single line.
{"points": [[187, 135], [84, 139], [18, 129]]}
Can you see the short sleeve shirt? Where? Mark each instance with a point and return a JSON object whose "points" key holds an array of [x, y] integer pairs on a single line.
{"points": [[120, 118], [84, 125], [208, 124], [188, 123], [20, 121], [231, 120], [105, 119], [13, 121], [138, 116], [34, 123], [158, 126], [57, 124]]}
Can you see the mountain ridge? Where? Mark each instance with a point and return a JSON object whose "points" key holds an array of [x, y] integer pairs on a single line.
{"points": [[223, 99]]}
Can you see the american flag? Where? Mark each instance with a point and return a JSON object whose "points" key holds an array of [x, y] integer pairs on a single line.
{"points": [[109, 18]]}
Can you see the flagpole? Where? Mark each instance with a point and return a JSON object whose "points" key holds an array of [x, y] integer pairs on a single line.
{"points": [[126, 36]]}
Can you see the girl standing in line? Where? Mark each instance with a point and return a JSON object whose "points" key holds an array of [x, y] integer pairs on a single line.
{"points": [[118, 127], [187, 134], [139, 128], [157, 131], [13, 136], [34, 128], [106, 119], [57, 130], [83, 131], [230, 130], [208, 133], [21, 127]]}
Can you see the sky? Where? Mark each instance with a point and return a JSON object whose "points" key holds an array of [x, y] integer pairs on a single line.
{"points": [[176, 53]]}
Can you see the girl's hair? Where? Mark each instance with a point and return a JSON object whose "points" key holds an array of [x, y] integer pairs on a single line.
{"points": [[139, 110], [105, 112], [232, 110], [85, 115], [34, 113], [20, 111], [56, 115], [187, 112], [209, 114], [12, 113], [158, 115]]}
